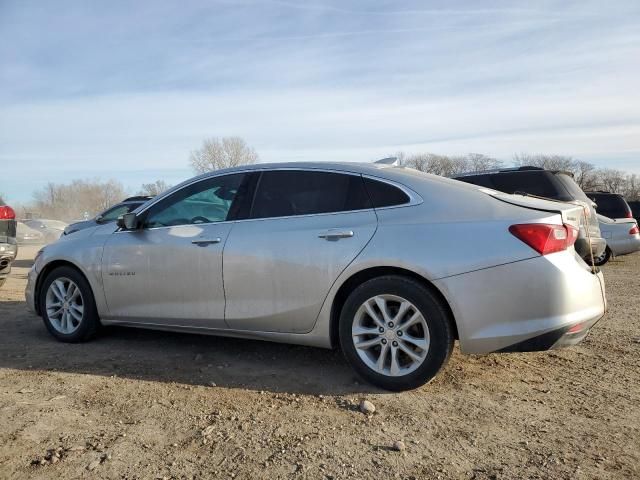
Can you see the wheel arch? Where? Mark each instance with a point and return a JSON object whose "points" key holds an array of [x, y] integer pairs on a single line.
{"points": [[350, 284], [48, 268]]}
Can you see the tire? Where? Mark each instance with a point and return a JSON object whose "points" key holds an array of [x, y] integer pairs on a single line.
{"points": [[604, 258], [80, 326], [432, 330]]}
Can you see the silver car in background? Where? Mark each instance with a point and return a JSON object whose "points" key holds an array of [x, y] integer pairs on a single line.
{"points": [[391, 264], [622, 236]]}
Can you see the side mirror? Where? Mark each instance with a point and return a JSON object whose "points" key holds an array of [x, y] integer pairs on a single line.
{"points": [[98, 219], [128, 221]]}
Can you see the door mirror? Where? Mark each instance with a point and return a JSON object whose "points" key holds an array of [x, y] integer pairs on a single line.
{"points": [[98, 218], [128, 221]]}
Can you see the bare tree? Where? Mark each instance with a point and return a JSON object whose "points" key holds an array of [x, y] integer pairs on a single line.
{"points": [[611, 180], [549, 162], [449, 166], [632, 188], [71, 201], [585, 176], [217, 153], [155, 188]]}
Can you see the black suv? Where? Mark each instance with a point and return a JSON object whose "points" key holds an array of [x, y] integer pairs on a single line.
{"points": [[8, 243], [551, 184], [635, 209], [111, 214], [610, 205]]}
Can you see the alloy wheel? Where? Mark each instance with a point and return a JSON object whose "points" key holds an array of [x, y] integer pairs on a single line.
{"points": [[391, 335], [64, 305]]}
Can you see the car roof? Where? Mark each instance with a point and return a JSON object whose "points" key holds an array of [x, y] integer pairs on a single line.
{"points": [[348, 167]]}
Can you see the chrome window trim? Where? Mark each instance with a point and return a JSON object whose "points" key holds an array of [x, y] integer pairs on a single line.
{"points": [[414, 198]]}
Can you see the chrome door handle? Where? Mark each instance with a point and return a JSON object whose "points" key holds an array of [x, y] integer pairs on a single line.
{"points": [[336, 234], [206, 241]]}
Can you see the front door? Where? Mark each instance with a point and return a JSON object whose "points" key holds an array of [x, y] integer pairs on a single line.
{"points": [[169, 272]]}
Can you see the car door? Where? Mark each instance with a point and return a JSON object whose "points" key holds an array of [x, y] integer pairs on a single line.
{"points": [[305, 227], [169, 272]]}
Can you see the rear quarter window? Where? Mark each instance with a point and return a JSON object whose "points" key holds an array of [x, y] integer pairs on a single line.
{"points": [[383, 194]]}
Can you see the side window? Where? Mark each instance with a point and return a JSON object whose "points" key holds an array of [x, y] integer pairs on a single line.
{"points": [[384, 195], [206, 201], [284, 193]]}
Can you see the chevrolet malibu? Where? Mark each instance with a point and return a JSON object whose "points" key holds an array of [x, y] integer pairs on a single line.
{"points": [[391, 264]]}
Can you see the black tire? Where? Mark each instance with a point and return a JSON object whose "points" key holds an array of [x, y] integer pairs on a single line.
{"points": [[90, 322], [604, 259], [433, 311]]}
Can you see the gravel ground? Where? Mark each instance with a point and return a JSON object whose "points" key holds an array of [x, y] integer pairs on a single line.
{"points": [[141, 404]]}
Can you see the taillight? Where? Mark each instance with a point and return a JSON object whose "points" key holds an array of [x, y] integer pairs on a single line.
{"points": [[545, 238], [7, 213], [634, 230]]}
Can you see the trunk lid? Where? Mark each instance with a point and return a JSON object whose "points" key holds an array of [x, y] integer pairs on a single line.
{"points": [[572, 213]]}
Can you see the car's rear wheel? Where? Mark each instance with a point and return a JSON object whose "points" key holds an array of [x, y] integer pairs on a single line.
{"points": [[395, 332], [603, 258], [67, 306]]}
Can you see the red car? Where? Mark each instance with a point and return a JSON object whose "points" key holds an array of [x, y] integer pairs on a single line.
{"points": [[8, 243]]}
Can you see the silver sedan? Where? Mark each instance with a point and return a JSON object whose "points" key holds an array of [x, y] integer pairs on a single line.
{"points": [[388, 263], [622, 236]]}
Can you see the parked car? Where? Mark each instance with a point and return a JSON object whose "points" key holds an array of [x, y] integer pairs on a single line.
{"points": [[51, 229], [611, 205], [8, 244], [622, 236], [109, 215], [551, 184], [390, 263], [26, 235]]}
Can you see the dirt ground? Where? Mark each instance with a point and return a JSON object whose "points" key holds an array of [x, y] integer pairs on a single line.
{"points": [[142, 404]]}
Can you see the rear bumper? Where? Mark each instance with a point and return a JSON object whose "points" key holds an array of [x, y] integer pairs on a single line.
{"points": [[536, 304]]}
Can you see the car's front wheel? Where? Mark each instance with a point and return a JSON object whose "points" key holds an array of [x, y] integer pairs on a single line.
{"points": [[67, 305], [395, 332]]}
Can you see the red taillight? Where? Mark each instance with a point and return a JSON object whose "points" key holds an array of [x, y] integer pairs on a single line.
{"points": [[634, 230], [7, 213], [545, 238]]}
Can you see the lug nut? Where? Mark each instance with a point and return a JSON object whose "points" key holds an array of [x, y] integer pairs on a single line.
{"points": [[381, 330], [390, 324], [384, 341], [395, 344], [400, 333]]}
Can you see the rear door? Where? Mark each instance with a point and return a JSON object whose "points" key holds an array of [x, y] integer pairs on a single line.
{"points": [[305, 227]]}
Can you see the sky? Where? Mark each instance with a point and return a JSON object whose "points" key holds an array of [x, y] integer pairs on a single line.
{"points": [[126, 90]]}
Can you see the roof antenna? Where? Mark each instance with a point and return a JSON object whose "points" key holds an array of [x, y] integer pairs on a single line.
{"points": [[391, 161]]}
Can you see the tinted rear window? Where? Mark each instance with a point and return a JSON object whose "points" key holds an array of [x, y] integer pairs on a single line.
{"points": [[283, 193], [610, 204], [541, 184], [384, 195], [572, 187]]}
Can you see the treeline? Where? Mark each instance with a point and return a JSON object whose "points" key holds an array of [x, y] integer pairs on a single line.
{"points": [[587, 175], [80, 198]]}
